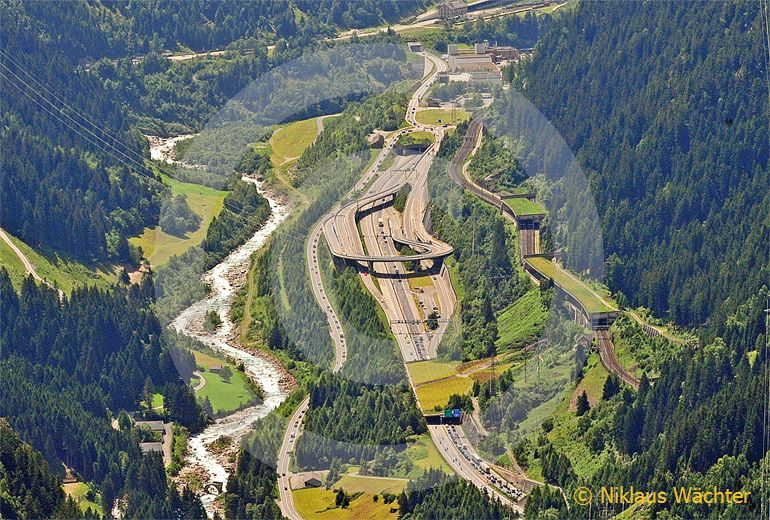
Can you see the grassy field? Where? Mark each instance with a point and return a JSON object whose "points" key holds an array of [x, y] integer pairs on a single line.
{"points": [[224, 397], [288, 142], [159, 246], [521, 322], [79, 492], [594, 376], [420, 136], [425, 455], [424, 371], [370, 485], [555, 374], [12, 264], [318, 503], [484, 375], [420, 282], [436, 393], [53, 267], [440, 116], [564, 434], [157, 402], [569, 283], [523, 207]]}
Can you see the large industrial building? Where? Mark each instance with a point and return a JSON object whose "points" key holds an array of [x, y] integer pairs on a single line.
{"points": [[478, 65]]}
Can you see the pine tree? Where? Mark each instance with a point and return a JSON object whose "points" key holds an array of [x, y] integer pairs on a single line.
{"points": [[611, 387], [582, 405], [147, 393]]}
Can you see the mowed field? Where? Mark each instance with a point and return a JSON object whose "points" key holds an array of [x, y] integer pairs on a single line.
{"points": [[53, 267], [318, 503], [370, 485], [436, 381], [437, 393], [224, 396], [440, 116], [423, 371], [159, 246]]}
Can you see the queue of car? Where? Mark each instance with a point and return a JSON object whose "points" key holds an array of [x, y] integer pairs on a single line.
{"points": [[482, 467]]}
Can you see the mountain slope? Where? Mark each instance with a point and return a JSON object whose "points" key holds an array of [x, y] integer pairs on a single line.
{"points": [[665, 106]]}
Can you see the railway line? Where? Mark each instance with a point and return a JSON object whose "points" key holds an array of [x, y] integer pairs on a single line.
{"points": [[528, 246]]}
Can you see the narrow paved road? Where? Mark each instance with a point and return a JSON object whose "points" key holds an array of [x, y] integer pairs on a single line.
{"points": [[201, 381], [290, 437]]}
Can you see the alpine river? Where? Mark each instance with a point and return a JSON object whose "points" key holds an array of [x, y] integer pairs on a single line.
{"points": [[224, 280]]}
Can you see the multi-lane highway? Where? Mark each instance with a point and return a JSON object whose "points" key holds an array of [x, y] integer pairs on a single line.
{"points": [[463, 459], [294, 428], [369, 230]]}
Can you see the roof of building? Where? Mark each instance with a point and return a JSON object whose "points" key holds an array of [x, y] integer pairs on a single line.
{"points": [[472, 58], [486, 67], [156, 426], [522, 206], [301, 480], [148, 447], [456, 4]]}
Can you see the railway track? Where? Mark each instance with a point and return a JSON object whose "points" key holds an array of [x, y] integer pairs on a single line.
{"points": [[610, 360], [527, 242]]}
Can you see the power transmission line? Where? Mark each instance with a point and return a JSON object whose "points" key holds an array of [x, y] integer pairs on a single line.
{"points": [[61, 99], [64, 113]]}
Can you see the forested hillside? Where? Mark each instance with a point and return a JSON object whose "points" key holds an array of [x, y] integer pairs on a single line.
{"points": [[665, 106], [65, 185], [351, 421], [90, 30], [437, 496], [74, 177], [27, 487], [67, 367]]}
